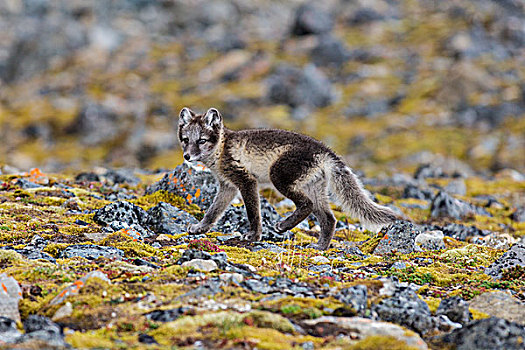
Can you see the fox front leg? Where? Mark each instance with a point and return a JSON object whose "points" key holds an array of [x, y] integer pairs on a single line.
{"points": [[223, 198]]}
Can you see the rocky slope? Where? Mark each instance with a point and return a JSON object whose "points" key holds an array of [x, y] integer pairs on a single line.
{"points": [[103, 259]]}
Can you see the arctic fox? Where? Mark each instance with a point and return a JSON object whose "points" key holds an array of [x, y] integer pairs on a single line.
{"points": [[300, 167]]}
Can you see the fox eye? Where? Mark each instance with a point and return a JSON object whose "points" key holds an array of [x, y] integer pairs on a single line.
{"points": [[202, 141], [184, 140]]}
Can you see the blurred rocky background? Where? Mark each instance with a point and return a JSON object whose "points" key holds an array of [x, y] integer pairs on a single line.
{"points": [[390, 84]]}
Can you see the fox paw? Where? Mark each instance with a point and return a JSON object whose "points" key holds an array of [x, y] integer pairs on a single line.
{"points": [[317, 246], [278, 227], [197, 229], [253, 236]]}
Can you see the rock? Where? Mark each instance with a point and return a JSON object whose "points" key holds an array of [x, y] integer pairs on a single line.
{"points": [[167, 315], [165, 218], [428, 171], [461, 232], [515, 256], [75, 287], [319, 259], [489, 333], [489, 116], [444, 205], [87, 177], [355, 296], [10, 295], [329, 52], [90, 252], [201, 265], [121, 211], [311, 19], [456, 309], [297, 87], [361, 328], [8, 332], [496, 240], [365, 15], [232, 277], [43, 329], [457, 187], [257, 286], [195, 183], [121, 176], [65, 310], [500, 304], [146, 339], [518, 215], [221, 259], [398, 237], [407, 309], [430, 240], [399, 265], [95, 123]]}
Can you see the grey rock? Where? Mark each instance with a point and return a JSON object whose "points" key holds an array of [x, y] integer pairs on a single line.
{"points": [[90, 252], [257, 286], [121, 211], [399, 265], [296, 87], [427, 170], [398, 237], [515, 256], [365, 15], [355, 296], [121, 176], [311, 19], [221, 259], [167, 315], [500, 304], [487, 334], [407, 309], [430, 240], [201, 264], [456, 309], [444, 205], [95, 124], [488, 116], [518, 215], [457, 187], [8, 331], [329, 52], [43, 329], [165, 218]]}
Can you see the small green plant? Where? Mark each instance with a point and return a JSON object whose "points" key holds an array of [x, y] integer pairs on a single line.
{"points": [[204, 245]]}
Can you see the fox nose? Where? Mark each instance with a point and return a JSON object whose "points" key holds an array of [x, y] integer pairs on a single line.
{"points": [[187, 156]]}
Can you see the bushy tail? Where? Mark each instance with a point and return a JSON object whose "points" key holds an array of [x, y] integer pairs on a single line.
{"points": [[349, 192]]}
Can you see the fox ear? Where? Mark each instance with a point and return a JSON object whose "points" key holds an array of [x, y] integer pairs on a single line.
{"points": [[185, 115], [213, 118]]}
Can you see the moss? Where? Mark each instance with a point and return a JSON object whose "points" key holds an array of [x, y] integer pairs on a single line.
{"points": [[90, 340], [379, 342], [130, 246], [54, 249], [153, 199], [478, 315], [370, 245]]}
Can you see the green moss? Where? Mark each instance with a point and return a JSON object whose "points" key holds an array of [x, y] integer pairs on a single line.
{"points": [[130, 246]]}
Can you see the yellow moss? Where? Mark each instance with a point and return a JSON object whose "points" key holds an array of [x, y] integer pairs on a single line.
{"points": [[153, 199], [433, 303], [54, 249], [469, 254], [129, 245], [478, 315], [268, 339], [369, 246], [380, 342], [8, 257], [89, 340]]}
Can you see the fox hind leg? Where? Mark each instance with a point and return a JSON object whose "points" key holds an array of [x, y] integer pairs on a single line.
{"points": [[323, 213]]}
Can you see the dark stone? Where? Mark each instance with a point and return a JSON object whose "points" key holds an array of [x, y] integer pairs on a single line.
{"points": [[8, 331], [90, 252], [398, 237], [518, 215], [365, 15], [426, 170], [407, 309], [310, 19], [296, 87], [42, 328], [166, 315], [144, 262], [95, 124], [165, 218], [371, 109], [146, 339], [444, 205], [412, 191], [89, 177], [456, 309], [257, 286], [25, 184], [121, 211], [121, 176], [462, 232], [515, 256], [487, 334], [221, 259], [329, 52], [355, 296], [490, 116]]}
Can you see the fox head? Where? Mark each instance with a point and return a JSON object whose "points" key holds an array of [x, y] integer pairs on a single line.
{"points": [[199, 134]]}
